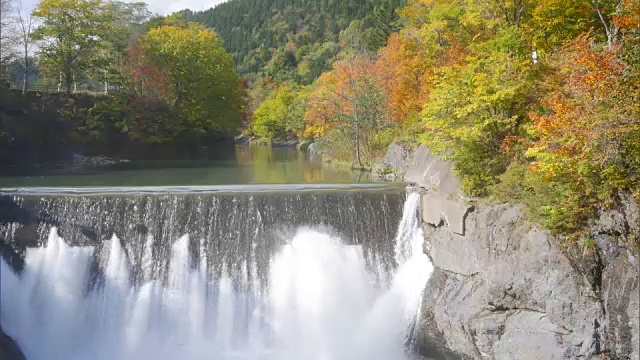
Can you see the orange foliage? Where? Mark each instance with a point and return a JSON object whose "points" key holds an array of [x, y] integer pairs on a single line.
{"points": [[320, 110], [630, 18], [148, 79], [336, 90], [587, 104], [405, 74], [454, 54]]}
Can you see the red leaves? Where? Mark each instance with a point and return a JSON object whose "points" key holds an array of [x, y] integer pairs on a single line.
{"points": [[148, 78], [405, 75]]}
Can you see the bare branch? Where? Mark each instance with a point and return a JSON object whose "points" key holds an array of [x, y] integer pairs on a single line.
{"points": [[6, 40], [26, 25]]}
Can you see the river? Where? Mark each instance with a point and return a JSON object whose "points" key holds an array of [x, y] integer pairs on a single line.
{"points": [[269, 256], [242, 164]]}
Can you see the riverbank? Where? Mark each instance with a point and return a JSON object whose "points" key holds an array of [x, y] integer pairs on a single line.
{"points": [[504, 288], [42, 131], [313, 147]]}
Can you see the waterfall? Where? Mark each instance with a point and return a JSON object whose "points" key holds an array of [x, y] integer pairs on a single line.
{"points": [[317, 295]]}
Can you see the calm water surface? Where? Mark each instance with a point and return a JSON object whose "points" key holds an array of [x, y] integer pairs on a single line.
{"points": [[246, 165]]}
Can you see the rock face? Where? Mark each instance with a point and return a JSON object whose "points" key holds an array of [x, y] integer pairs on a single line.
{"points": [[619, 276], [315, 149], [443, 202], [504, 289], [9, 350], [394, 165]]}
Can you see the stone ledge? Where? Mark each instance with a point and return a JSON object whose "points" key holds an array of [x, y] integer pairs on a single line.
{"points": [[438, 210], [442, 203], [429, 171]]}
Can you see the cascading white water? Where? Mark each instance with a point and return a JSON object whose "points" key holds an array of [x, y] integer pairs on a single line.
{"points": [[321, 301]]}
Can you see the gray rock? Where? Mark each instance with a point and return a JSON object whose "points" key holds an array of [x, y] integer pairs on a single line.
{"points": [[617, 279], [9, 350], [304, 145], [511, 293], [284, 143], [504, 289], [443, 203], [394, 164], [79, 160], [242, 140], [429, 171], [315, 149], [438, 209], [620, 295], [616, 274]]}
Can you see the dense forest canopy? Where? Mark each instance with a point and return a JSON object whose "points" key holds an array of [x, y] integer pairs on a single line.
{"points": [[294, 39], [107, 75], [535, 101]]}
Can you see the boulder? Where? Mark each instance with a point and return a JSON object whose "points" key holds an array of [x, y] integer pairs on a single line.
{"points": [[292, 142], [242, 140], [82, 161], [394, 164], [443, 203], [304, 145], [509, 292], [503, 288], [431, 172], [315, 149]]}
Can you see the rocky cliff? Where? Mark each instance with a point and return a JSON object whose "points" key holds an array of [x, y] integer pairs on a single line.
{"points": [[505, 289]]}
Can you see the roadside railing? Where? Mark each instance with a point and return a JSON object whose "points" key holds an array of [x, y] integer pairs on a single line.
{"points": [[78, 89]]}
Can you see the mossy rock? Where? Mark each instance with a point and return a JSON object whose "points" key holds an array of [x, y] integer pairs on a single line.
{"points": [[261, 142], [304, 145]]}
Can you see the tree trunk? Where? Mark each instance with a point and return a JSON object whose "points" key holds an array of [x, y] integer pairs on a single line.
{"points": [[355, 116], [68, 75], [358, 144], [68, 82], [610, 29], [25, 81]]}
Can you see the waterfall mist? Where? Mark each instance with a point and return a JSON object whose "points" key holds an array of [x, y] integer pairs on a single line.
{"points": [[317, 291]]}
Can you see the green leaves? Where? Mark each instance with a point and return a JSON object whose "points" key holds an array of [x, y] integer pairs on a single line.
{"points": [[85, 39], [262, 35], [282, 115], [189, 69], [71, 30]]}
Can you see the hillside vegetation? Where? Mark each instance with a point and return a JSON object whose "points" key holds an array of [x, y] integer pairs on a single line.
{"points": [[295, 40], [115, 79], [536, 102]]}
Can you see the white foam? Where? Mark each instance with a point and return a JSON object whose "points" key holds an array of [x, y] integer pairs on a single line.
{"points": [[321, 303]]}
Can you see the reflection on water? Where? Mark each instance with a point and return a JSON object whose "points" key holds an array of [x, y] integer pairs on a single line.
{"points": [[246, 165]]}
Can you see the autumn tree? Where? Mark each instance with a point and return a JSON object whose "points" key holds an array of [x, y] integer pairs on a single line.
{"points": [[281, 115], [406, 75], [552, 22], [607, 11], [188, 69], [586, 146], [108, 63], [349, 103], [71, 32], [480, 98]]}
